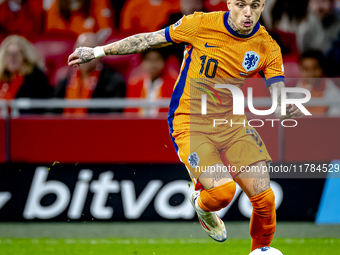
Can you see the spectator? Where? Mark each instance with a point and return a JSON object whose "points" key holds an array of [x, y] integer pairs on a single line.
{"points": [[337, 7], [21, 17], [117, 6], [286, 15], [322, 27], [155, 82], [20, 71], [215, 5], [91, 80], [140, 16], [285, 20], [190, 6], [187, 7], [80, 16], [312, 73], [333, 60]]}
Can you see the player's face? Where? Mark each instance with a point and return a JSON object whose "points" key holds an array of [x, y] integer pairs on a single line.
{"points": [[245, 13]]}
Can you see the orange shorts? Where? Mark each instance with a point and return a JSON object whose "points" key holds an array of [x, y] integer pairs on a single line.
{"points": [[236, 148]]}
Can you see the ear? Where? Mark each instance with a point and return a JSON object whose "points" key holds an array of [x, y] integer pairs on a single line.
{"points": [[263, 4], [229, 4]]}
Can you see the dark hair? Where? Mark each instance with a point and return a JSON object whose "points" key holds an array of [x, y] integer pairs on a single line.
{"points": [[315, 54], [293, 8], [65, 11], [163, 51]]}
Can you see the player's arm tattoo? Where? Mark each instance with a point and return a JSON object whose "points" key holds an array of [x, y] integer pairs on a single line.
{"points": [[133, 44], [137, 43], [279, 86], [260, 185], [85, 54]]}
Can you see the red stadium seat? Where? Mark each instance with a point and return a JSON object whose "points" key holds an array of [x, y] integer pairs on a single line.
{"points": [[216, 5], [258, 85], [292, 72], [55, 49]]}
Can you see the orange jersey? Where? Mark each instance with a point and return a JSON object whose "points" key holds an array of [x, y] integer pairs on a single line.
{"points": [[26, 21], [136, 18], [216, 52], [100, 17], [142, 87]]}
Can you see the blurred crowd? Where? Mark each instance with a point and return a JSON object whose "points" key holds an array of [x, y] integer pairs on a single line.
{"points": [[36, 37]]}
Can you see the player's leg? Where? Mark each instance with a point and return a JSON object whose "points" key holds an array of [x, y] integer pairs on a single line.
{"points": [[205, 167], [219, 188], [247, 149], [218, 191], [256, 184]]}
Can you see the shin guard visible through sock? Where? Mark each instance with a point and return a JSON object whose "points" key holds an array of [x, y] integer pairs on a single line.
{"points": [[263, 219], [217, 198]]}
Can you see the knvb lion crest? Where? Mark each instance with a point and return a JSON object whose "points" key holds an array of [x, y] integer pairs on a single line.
{"points": [[251, 61], [193, 159]]}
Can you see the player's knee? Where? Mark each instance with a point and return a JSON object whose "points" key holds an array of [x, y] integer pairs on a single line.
{"points": [[217, 198], [264, 203]]}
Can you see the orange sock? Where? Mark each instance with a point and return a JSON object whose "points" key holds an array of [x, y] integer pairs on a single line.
{"points": [[263, 219], [217, 198]]}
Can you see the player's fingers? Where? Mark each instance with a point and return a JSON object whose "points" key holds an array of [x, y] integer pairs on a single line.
{"points": [[71, 57], [75, 62], [288, 106], [293, 108], [296, 113]]}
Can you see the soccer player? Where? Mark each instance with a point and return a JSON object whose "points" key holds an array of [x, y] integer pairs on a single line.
{"points": [[219, 45]]}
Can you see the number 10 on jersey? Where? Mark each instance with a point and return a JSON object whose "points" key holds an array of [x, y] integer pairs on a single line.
{"points": [[211, 63]]}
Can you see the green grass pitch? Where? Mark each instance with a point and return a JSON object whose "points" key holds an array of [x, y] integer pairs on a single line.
{"points": [[158, 238], [136, 246]]}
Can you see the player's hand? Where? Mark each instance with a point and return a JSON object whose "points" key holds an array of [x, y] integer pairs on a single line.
{"points": [[81, 55], [293, 111]]}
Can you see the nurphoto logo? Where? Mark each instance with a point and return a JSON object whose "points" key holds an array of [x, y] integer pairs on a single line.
{"points": [[239, 100]]}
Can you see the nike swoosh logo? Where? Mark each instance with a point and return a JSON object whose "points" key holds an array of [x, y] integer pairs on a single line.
{"points": [[269, 234], [210, 46]]}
